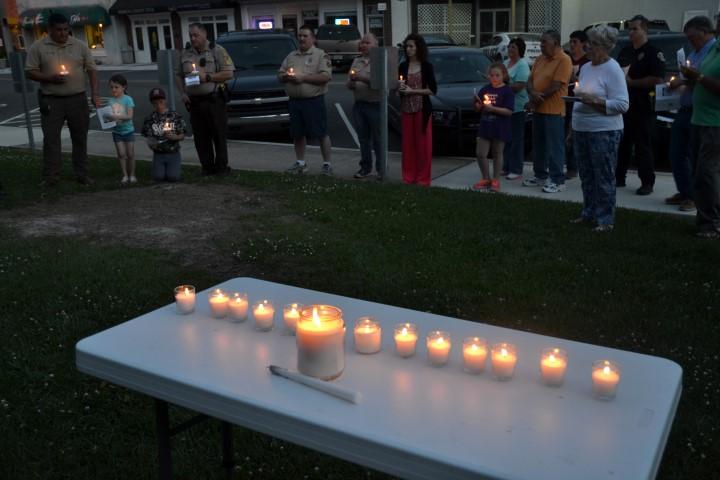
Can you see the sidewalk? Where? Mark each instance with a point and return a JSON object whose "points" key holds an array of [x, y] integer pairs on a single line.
{"points": [[130, 67], [448, 172]]}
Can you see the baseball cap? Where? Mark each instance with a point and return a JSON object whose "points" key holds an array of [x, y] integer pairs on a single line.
{"points": [[156, 93]]}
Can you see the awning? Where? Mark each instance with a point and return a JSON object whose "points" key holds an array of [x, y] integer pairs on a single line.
{"points": [[92, 15], [133, 7]]}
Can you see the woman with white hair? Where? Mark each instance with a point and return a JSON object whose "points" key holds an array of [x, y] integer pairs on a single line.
{"points": [[602, 97]]}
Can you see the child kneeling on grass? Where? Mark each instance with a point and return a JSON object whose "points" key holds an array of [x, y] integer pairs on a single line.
{"points": [[496, 102], [164, 129]]}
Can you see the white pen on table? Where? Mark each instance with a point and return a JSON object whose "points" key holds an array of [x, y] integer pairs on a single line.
{"points": [[321, 385]]}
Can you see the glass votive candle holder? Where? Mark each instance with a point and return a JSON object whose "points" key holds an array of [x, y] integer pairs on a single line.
{"points": [[405, 339], [553, 365], [185, 299], [475, 352], [605, 379], [438, 347], [291, 315], [504, 359], [368, 335], [264, 315], [238, 307], [218, 303]]}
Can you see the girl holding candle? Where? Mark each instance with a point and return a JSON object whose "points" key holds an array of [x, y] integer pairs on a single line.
{"points": [[164, 129], [123, 133], [416, 110], [496, 102]]}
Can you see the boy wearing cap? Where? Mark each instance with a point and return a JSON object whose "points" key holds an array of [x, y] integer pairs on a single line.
{"points": [[164, 129]]}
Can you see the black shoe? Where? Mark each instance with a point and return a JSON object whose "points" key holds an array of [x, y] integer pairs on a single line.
{"points": [[644, 190], [362, 174]]}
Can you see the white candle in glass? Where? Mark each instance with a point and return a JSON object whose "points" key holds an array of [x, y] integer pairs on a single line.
{"points": [[264, 314], [238, 307], [291, 314], [474, 354], [438, 347], [367, 335], [185, 299], [503, 360], [320, 340], [405, 339], [605, 378], [218, 303], [553, 364]]}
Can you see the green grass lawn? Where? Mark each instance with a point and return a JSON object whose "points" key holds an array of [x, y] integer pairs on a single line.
{"points": [[648, 287]]}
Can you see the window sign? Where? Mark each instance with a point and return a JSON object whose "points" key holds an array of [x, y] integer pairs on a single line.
{"points": [[342, 21], [265, 25]]}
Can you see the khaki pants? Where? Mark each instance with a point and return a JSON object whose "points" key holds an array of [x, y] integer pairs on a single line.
{"points": [[54, 112]]}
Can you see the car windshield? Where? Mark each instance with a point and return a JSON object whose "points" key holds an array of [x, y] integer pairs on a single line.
{"points": [[259, 53], [337, 33], [459, 67]]}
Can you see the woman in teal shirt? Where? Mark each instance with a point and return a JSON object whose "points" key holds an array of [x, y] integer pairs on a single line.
{"points": [[519, 71]]}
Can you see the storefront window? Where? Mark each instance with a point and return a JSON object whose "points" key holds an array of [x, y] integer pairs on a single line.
{"points": [[94, 34]]}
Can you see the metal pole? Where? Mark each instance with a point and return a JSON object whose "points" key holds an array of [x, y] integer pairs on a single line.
{"points": [[171, 79], [26, 101], [384, 116], [449, 19], [512, 16]]}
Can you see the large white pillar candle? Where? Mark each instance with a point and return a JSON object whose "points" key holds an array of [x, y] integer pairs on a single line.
{"points": [[438, 347], [185, 299], [474, 354], [321, 341], [503, 359], [405, 339], [605, 378], [218, 303], [553, 364], [367, 335], [264, 314], [238, 307]]}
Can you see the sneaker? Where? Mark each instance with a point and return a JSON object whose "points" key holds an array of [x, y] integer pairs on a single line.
{"points": [[534, 182], [326, 169], [297, 168], [676, 199], [687, 205], [361, 174], [604, 228], [482, 185], [644, 190], [553, 187], [513, 176], [125, 180], [133, 179], [495, 185], [708, 234], [571, 173]]}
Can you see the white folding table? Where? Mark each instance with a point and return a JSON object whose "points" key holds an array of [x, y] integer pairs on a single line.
{"points": [[413, 420]]}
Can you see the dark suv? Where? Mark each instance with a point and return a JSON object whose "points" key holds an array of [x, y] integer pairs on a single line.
{"points": [[257, 98]]}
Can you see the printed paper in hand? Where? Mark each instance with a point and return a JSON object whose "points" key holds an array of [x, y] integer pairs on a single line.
{"points": [[101, 113], [681, 58], [665, 98]]}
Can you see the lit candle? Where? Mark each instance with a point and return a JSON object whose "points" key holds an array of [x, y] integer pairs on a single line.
{"points": [[438, 346], [352, 72], [553, 364], [367, 335], [605, 378], [291, 314], [504, 359], [474, 354], [238, 307], [264, 314], [486, 100], [405, 339], [167, 127], [63, 70], [194, 69], [320, 338], [185, 299], [218, 303], [291, 71], [401, 79]]}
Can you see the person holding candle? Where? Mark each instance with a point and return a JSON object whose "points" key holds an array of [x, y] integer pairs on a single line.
{"points": [[164, 129], [597, 128], [579, 57], [518, 71], [366, 109], [419, 83], [123, 133], [62, 97], [496, 102]]}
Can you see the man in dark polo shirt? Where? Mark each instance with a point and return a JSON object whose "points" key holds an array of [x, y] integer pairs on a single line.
{"points": [[645, 66], [59, 63]]}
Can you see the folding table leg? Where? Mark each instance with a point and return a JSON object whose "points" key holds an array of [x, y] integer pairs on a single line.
{"points": [[228, 463], [162, 425]]}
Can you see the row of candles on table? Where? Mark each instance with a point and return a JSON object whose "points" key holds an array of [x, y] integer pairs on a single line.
{"points": [[320, 332]]}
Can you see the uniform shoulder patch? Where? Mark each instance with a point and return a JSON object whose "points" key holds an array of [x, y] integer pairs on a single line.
{"points": [[326, 59], [661, 56]]}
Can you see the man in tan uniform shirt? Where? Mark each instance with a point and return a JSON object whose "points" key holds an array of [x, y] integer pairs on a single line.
{"points": [[306, 73], [58, 62], [204, 69]]}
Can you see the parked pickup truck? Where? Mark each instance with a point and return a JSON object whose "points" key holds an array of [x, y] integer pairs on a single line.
{"points": [[340, 42]]}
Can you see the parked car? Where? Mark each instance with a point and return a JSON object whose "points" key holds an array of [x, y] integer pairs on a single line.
{"points": [[340, 42], [438, 39], [496, 48], [459, 71], [257, 98], [622, 25]]}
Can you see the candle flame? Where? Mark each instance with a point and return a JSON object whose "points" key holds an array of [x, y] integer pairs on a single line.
{"points": [[606, 370], [261, 308], [367, 329], [404, 331], [551, 357], [187, 291], [352, 72], [440, 340], [238, 300], [401, 78], [316, 317], [474, 347], [193, 66], [503, 352]]}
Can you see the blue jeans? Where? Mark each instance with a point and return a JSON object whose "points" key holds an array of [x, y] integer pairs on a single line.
{"points": [[549, 147], [596, 154], [366, 117], [515, 150], [166, 167], [681, 152]]}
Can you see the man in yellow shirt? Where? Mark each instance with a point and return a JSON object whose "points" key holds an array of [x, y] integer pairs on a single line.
{"points": [[547, 84]]}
